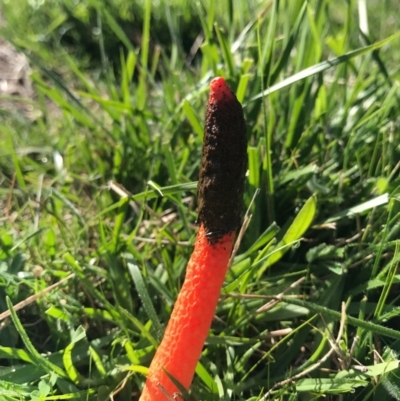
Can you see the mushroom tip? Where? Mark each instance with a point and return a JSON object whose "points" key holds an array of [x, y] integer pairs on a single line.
{"points": [[219, 90], [216, 82]]}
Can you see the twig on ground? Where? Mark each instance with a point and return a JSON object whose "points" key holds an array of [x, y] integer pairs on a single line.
{"points": [[243, 228], [34, 297], [317, 364], [269, 305], [122, 385]]}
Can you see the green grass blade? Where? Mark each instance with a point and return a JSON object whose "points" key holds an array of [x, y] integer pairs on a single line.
{"points": [[143, 294], [35, 355], [363, 207], [194, 121], [323, 66], [369, 326]]}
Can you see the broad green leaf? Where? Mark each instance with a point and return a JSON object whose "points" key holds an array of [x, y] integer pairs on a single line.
{"points": [[300, 225], [329, 386]]}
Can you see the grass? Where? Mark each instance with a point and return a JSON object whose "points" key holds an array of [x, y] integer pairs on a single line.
{"points": [[97, 192]]}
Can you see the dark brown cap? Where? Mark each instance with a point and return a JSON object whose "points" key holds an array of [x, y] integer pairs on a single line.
{"points": [[223, 163]]}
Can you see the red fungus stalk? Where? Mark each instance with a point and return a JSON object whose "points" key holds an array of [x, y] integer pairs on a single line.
{"points": [[220, 198]]}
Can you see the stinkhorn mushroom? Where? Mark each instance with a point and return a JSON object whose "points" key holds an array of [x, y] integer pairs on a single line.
{"points": [[220, 205]]}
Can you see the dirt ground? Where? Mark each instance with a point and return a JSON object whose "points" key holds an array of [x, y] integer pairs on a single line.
{"points": [[15, 84]]}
